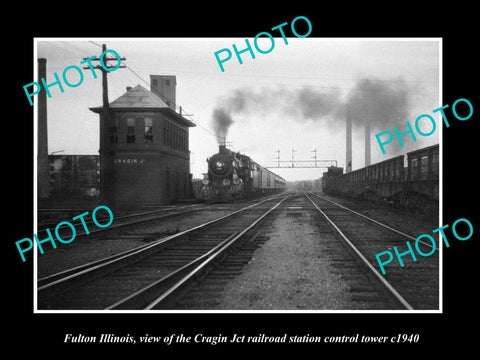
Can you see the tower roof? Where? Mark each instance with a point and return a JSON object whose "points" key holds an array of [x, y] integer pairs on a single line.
{"points": [[140, 98], [136, 98]]}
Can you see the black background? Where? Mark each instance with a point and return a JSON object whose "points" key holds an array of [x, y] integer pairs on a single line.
{"points": [[43, 334]]}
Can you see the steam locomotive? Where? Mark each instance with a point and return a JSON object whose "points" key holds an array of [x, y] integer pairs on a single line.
{"points": [[232, 176]]}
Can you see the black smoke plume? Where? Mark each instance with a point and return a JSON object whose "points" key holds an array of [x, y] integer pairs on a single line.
{"points": [[222, 119], [382, 104], [308, 104], [301, 105]]}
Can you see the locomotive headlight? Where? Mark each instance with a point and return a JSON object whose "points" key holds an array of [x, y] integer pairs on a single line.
{"points": [[219, 165], [226, 182]]}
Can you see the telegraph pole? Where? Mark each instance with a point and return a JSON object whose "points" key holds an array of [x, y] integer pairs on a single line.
{"points": [[104, 69], [278, 157], [105, 119]]}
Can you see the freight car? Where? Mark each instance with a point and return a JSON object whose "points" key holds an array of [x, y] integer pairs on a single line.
{"points": [[233, 176], [410, 181]]}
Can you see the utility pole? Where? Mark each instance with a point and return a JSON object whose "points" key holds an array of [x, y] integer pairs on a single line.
{"points": [[315, 156], [104, 69], [293, 151], [105, 119]]}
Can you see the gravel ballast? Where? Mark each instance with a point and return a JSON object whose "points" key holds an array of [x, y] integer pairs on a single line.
{"points": [[291, 271], [93, 247]]}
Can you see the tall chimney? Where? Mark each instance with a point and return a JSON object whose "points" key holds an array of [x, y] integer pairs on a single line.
{"points": [[43, 176], [165, 87], [367, 143], [348, 160]]}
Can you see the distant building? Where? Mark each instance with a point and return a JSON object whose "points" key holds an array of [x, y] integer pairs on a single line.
{"points": [[144, 149], [74, 175]]}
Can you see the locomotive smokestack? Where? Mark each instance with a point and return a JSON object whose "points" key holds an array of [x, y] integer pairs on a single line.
{"points": [[222, 148]]}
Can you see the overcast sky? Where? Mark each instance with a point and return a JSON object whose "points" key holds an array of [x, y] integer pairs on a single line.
{"points": [[291, 98]]}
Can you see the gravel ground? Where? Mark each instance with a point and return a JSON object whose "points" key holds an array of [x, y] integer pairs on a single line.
{"points": [[403, 220], [293, 271], [290, 271], [93, 247]]}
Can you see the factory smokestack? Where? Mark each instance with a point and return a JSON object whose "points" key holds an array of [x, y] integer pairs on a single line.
{"points": [[367, 143], [43, 176], [348, 160]]}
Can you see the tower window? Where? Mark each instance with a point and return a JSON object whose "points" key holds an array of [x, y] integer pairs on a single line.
{"points": [[130, 131], [148, 136]]}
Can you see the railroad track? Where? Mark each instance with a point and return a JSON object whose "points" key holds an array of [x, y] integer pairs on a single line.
{"points": [[366, 289], [150, 276], [412, 287], [120, 222]]}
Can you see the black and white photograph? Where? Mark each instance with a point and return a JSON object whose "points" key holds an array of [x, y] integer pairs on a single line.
{"points": [[223, 191], [268, 187]]}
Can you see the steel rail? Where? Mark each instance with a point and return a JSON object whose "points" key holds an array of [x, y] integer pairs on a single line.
{"points": [[77, 269], [220, 250], [140, 297], [378, 276], [374, 221], [50, 279], [127, 220], [107, 264]]}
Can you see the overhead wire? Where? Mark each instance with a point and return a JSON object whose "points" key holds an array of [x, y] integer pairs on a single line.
{"points": [[75, 49], [129, 67], [94, 43], [165, 98]]}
